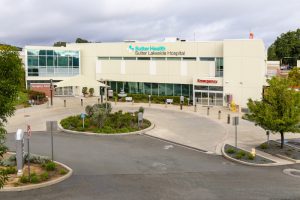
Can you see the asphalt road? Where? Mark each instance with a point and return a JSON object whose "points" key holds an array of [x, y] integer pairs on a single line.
{"points": [[142, 168]]}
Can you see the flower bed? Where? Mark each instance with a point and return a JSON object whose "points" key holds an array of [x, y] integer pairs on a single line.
{"points": [[99, 119], [245, 156], [41, 170]]}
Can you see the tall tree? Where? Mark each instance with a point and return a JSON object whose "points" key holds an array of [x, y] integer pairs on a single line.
{"points": [[287, 45], [59, 44], [294, 76], [80, 40], [11, 73], [279, 110]]}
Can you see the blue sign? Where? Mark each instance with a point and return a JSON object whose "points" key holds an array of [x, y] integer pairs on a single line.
{"points": [[146, 48], [82, 115]]}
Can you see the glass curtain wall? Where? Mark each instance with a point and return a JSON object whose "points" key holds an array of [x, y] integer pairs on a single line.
{"points": [[159, 89], [45, 63]]}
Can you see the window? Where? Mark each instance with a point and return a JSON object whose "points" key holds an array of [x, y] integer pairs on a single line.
{"points": [[129, 58], [207, 59], [75, 62], [143, 58], [189, 59], [169, 90], [158, 58], [42, 61], [162, 89], [115, 58], [50, 61], [63, 61], [147, 88], [154, 88], [219, 67], [103, 58], [33, 61], [174, 58], [177, 89]]}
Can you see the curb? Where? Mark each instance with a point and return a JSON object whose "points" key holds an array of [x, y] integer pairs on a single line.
{"points": [[105, 134], [40, 185], [247, 163]]}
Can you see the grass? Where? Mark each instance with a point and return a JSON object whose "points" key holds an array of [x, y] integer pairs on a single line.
{"points": [[22, 99]]}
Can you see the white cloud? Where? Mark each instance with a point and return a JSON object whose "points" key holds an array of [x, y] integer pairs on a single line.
{"points": [[43, 22]]}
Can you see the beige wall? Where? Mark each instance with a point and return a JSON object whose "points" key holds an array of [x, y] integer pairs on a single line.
{"points": [[244, 64]]}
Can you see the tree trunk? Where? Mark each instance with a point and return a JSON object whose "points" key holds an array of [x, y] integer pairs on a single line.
{"points": [[282, 139]]}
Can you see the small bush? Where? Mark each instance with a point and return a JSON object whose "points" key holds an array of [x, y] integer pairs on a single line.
{"points": [[242, 153], [141, 109], [250, 156], [62, 172], [24, 179], [11, 170], [44, 176], [238, 156], [34, 178], [50, 166], [264, 146], [230, 150]]}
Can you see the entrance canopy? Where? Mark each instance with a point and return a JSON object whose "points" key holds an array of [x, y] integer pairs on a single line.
{"points": [[80, 81]]}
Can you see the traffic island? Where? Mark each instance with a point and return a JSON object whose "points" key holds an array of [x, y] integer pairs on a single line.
{"points": [[245, 157], [43, 172], [98, 119], [289, 152]]}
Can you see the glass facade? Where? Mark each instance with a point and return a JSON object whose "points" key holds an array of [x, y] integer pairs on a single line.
{"points": [[159, 89], [219, 67], [59, 63]]}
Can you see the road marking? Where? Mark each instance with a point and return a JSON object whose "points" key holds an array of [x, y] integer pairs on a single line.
{"points": [[292, 172], [166, 147]]}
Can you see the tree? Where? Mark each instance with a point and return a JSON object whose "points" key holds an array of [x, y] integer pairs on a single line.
{"points": [[279, 110], [294, 76], [10, 84], [84, 91], [286, 45], [59, 44], [80, 40], [91, 91]]}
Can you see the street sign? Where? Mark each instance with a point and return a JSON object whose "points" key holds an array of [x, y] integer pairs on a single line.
{"points": [[51, 125], [235, 121], [82, 116]]}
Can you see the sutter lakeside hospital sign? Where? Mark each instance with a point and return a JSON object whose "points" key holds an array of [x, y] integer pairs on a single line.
{"points": [[154, 50]]}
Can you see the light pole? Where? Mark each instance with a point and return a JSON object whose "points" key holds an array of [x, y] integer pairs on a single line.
{"points": [[51, 92]]}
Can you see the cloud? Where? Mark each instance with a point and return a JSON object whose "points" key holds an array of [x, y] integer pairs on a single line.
{"points": [[38, 22]]}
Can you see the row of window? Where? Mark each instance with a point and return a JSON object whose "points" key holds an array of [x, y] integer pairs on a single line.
{"points": [[161, 58], [35, 52], [52, 61], [58, 71], [160, 89]]}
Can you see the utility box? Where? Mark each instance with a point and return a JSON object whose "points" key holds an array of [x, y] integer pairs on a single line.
{"points": [[20, 151]]}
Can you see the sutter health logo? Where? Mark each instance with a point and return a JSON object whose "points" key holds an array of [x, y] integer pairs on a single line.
{"points": [[146, 48]]}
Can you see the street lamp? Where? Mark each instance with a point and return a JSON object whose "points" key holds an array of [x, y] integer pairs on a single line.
{"points": [[51, 92]]}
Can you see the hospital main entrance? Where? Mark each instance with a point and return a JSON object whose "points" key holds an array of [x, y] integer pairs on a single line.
{"points": [[209, 98]]}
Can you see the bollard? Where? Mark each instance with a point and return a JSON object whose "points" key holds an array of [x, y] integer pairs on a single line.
{"points": [[149, 100], [81, 101], [195, 108], [98, 100], [166, 104], [219, 114], [116, 101], [65, 103], [180, 106], [132, 102], [228, 119], [207, 111]]}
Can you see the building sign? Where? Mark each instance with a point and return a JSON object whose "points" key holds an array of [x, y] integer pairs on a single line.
{"points": [[40, 85], [207, 81], [153, 51]]}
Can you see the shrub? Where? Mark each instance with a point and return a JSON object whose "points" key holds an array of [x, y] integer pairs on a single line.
{"points": [[24, 179], [50, 166], [34, 178], [71, 122], [89, 110], [10, 170], [250, 156], [238, 156], [230, 150], [242, 153], [9, 162], [84, 91], [62, 172], [91, 91], [44, 176], [37, 159], [264, 146], [141, 109]]}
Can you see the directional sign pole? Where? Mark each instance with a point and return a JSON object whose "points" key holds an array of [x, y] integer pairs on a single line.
{"points": [[28, 151], [51, 125], [235, 136]]}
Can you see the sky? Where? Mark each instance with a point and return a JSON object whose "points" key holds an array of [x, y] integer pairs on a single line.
{"points": [[38, 22]]}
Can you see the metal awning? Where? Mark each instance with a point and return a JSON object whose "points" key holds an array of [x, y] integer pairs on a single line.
{"points": [[80, 81]]}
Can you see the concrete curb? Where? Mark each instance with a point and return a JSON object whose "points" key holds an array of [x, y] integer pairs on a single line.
{"points": [[247, 163], [105, 134], [40, 185]]}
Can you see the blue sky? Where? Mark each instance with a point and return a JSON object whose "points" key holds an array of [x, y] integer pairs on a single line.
{"points": [[37, 22]]}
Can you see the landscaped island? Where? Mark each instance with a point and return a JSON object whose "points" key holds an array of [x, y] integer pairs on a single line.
{"points": [[100, 119]]}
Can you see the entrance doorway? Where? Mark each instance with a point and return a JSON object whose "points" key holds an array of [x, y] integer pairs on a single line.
{"points": [[209, 98]]}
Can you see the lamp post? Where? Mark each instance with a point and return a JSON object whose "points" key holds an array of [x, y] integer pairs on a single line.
{"points": [[51, 92]]}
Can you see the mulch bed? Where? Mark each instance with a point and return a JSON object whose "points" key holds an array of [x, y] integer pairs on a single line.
{"points": [[274, 148], [257, 159]]}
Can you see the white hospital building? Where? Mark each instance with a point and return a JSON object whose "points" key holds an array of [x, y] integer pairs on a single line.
{"points": [[208, 72]]}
